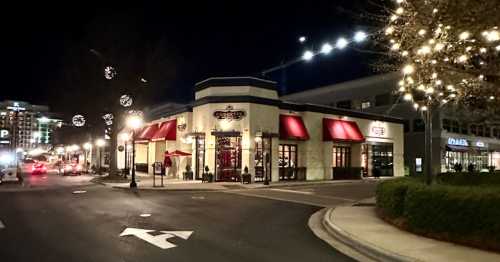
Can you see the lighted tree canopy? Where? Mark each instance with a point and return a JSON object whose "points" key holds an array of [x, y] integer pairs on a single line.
{"points": [[448, 52]]}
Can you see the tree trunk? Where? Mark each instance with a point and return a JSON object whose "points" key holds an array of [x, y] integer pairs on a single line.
{"points": [[428, 145]]}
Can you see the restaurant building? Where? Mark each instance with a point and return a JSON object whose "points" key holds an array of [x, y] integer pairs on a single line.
{"points": [[240, 122]]}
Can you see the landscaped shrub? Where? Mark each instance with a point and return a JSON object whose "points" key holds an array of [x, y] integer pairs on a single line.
{"points": [[462, 214], [468, 179], [391, 196]]}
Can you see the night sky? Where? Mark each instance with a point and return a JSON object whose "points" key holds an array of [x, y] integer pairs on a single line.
{"points": [[47, 58]]}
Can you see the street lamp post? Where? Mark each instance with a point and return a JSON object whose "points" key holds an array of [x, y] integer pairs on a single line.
{"points": [[100, 144], [87, 146], [125, 137], [133, 122]]}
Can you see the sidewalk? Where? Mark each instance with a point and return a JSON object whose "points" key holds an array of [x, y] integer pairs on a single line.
{"points": [[360, 229], [145, 182]]}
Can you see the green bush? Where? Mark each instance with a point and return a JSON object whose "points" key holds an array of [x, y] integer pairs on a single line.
{"points": [[391, 196], [467, 179], [468, 215]]}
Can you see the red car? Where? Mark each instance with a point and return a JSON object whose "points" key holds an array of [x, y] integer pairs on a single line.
{"points": [[38, 169]]}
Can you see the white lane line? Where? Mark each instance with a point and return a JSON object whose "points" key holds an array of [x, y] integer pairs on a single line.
{"points": [[1, 224], [198, 197], [145, 215], [292, 191], [79, 192]]}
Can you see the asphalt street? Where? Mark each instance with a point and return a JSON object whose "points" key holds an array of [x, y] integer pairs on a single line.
{"points": [[82, 222]]}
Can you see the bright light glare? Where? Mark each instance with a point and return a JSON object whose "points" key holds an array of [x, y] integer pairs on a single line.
{"points": [[87, 146], [326, 48], [100, 142], [134, 122], [302, 39], [360, 36], [44, 119], [408, 70], [6, 158], [342, 43], [308, 55], [124, 136]]}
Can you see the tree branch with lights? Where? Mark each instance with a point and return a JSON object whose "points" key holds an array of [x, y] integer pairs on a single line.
{"points": [[449, 52]]}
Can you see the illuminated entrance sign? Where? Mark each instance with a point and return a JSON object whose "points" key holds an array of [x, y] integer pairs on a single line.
{"points": [[457, 142]]}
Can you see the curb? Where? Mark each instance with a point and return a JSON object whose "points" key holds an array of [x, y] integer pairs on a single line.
{"points": [[365, 248], [170, 189]]}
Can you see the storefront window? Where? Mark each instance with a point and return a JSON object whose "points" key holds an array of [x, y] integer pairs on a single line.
{"points": [[228, 158], [287, 156], [454, 159], [341, 156]]}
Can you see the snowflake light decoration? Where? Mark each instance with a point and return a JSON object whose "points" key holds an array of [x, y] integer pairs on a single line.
{"points": [[109, 72], [78, 120], [126, 101], [108, 119]]}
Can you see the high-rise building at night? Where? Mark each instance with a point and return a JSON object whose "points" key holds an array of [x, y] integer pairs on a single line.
{"points": [[27, 126]]}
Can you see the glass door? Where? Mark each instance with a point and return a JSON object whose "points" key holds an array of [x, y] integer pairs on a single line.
{"points": [[228, 158], [382, 159]]}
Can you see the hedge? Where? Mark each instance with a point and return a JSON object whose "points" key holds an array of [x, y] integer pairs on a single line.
{"points": [[466, 215]]}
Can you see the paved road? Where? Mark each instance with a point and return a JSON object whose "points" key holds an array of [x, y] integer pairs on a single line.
{"points": [[57, 225]]}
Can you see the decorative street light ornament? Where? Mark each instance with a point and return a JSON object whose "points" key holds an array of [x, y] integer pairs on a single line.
{"points": [[78, 120], [109, 72], [126, 101]]}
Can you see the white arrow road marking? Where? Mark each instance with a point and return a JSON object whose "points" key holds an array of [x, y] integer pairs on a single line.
{"points": [[1, 225], [158, 240], [182, 234]]}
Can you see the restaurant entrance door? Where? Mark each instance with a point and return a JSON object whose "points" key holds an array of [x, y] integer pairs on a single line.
{"points": [[227, 158]]}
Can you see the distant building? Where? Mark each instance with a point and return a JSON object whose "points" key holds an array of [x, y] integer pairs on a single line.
{"points": [[455, 141], [26, 126]]}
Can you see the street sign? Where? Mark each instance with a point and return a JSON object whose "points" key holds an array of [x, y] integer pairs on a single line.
{"points": [[157, 240]]}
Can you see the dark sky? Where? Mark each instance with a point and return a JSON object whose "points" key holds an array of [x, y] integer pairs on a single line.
{"points": [[43, 44]]}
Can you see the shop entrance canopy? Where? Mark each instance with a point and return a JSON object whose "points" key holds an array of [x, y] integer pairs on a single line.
{"points": [[167, 131], [341, 131], [177, 153], [292, 128], [146, 133]]}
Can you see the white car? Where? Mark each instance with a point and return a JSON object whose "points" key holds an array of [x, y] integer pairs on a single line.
{"points": [[10, 174]]}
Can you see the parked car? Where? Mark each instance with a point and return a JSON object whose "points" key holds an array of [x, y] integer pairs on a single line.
{"points": [[27, 165], [72, 169], [10, 173]]}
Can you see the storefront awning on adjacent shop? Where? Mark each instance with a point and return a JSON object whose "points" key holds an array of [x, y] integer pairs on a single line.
{"points": [[146, 133], [341, 131], [177, 153], [292, 128], [454, 148], [167, 131]]}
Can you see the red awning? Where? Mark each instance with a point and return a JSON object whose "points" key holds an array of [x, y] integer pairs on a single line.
{"points": [[167, 131], [341, 131], [292, 127], [177, 153], [146, 133]]}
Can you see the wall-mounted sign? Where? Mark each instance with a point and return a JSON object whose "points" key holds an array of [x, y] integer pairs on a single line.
{"points": [[378, 131], [229, 114], [181, 124], [4, 134], [121, 148], [457, 142], [480, 144]]}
